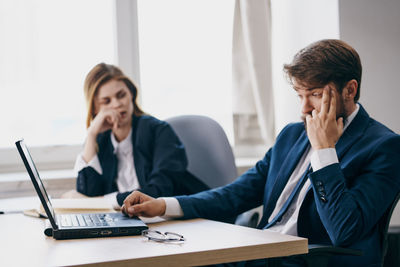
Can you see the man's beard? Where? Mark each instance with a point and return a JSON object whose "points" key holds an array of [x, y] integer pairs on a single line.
{"points": [[341, 112]]}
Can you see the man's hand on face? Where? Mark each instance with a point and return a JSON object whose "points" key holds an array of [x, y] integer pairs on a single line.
{"points": [[140, 204], [323, 129]]}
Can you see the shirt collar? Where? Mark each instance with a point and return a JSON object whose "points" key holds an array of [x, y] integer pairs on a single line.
{"points": [[125, 146], [351, 117]]}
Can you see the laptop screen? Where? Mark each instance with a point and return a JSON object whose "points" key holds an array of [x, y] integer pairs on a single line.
{"points": [[37, 182]]}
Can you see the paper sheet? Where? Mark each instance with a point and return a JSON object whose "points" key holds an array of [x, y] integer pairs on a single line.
{"points": [[81, 203]]}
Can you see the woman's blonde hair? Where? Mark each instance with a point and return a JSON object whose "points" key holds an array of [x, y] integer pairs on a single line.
{"points": [[98, 76]]}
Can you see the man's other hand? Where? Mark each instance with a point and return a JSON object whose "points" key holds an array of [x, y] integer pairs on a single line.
{"points": [[140, 204]]}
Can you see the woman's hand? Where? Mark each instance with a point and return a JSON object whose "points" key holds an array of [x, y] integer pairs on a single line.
{"points": [[140, 204], [106, 119]]}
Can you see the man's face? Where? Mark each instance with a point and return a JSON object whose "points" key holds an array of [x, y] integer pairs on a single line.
{"points": [[311, 98]]}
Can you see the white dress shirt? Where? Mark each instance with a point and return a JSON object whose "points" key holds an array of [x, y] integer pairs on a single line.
{"points": [[288, 224], [127, 179]]}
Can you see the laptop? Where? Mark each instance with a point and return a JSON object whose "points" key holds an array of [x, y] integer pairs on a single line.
{"points": [[72, 226]]}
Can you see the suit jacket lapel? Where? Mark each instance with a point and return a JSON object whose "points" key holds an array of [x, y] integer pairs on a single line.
{"points": [[109, 163], [284, 173], [352, 133], [291, 162], [138, 159]]}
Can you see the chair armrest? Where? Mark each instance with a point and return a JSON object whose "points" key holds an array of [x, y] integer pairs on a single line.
{"points": [[248, 219], [319, 255], [319, 249]]}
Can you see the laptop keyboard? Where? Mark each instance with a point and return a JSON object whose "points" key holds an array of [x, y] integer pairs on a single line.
{"points": [[85, 220]]}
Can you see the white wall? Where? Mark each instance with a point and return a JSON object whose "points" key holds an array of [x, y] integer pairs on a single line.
{"points": [[373, 29]]}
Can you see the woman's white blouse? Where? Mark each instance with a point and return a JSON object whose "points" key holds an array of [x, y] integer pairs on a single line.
{"points": [[127, 179]]}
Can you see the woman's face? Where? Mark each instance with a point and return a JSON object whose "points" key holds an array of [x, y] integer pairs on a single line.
{"points": [[115, 95]]}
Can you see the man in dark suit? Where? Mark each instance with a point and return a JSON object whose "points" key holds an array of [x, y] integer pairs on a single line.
{"points": [[329, 179]]}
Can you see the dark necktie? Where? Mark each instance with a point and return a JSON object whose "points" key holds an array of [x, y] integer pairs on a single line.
{"points": [[295, 191]]}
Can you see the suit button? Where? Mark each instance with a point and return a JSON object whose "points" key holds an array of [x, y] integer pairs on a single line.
{"points": [[323, 199], [321, 188], [319, 183]]}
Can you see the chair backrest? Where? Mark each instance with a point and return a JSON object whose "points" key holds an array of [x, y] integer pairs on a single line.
{"points": [[208, 150], [384, 225]]}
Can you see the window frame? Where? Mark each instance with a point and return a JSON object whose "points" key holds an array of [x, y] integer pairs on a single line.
{"points": [[54, 157], [58, 157]]}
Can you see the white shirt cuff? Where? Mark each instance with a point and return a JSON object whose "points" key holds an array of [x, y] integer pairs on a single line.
{"points": [[173, 208], [80, 164], [323, 157], [112, 199]]}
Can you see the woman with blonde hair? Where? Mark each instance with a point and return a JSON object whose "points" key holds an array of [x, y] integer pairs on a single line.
{"points": [[125, 149]]}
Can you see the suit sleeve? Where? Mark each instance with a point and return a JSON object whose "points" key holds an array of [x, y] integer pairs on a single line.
{"points": [[228, 201], [350, 204], [89, 182], [245, 193]]}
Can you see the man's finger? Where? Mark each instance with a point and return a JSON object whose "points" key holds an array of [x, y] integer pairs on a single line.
{"points": [[325, 100], [308, 118], [332, 109], [131, 210], [314, 113], [137, 210], [130, 200]]}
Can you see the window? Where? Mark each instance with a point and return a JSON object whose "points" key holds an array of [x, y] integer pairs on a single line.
{"points": [[46, 49], [296, 24], [185, 58]]}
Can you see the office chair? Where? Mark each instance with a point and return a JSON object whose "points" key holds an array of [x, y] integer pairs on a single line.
{"points": [[319, 255], [390, 260], [209, 154], [392, 257]]}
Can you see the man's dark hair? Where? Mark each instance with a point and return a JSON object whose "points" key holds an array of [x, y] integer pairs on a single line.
{"points": [[326, 61]]}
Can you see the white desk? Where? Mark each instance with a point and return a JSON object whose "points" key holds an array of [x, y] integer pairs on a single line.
{"points": [[208, 242]]}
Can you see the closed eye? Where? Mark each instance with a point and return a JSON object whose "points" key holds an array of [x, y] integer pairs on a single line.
{"points": [[121, 94], [104, 101]]}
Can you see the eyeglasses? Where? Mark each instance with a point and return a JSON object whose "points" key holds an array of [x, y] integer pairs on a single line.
{"points": [[163, 237]]}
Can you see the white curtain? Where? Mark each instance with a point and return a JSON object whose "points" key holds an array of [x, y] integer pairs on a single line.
{"points": [[252, 75]]}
